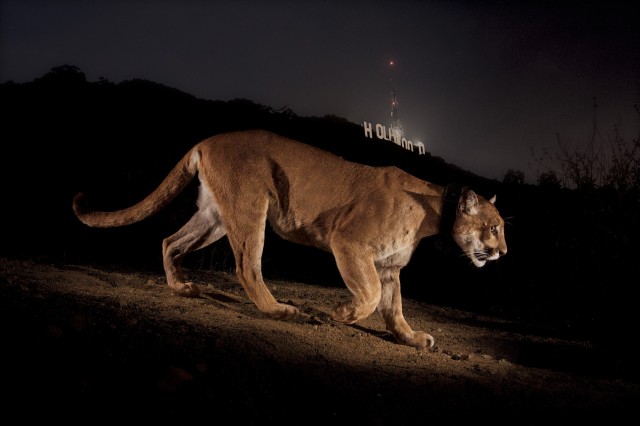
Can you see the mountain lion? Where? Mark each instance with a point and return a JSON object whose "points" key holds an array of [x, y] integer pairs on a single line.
{"points": [[370, 218]]}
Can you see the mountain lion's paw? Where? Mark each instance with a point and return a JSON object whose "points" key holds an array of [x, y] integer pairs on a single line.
{"points": [[419, 340], [282, 311], [187, 289], [344, 313]]}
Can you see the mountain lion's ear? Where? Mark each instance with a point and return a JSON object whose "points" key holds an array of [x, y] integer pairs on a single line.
{"points": [[468, 203], [493, 200]]}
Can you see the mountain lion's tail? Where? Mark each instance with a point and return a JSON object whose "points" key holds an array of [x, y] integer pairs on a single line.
{"points": [[171, 186]]}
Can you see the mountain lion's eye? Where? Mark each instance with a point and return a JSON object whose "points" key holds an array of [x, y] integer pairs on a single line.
{"points": [[494, 230]]}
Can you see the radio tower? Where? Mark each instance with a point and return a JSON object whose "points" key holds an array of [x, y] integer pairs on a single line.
{"points": [[396, 127]]}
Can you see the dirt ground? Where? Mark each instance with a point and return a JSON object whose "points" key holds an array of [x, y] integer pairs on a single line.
{"points": [[88, 344]]}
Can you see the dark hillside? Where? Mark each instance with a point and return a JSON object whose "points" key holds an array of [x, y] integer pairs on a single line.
{"points": [[118, 141]]}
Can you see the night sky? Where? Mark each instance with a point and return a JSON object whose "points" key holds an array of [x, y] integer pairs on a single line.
{"points": [[479, 83]]}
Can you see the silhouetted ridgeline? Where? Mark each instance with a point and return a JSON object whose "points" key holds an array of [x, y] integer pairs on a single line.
{"points": [[569, 252]]}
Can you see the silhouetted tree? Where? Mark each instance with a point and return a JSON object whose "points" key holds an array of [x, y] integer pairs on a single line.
{"points": [[610, 161], [65, 74], [549, 180], [513, 176]]}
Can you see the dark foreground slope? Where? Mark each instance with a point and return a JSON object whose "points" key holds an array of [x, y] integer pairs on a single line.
{"points": [[92, 344]]}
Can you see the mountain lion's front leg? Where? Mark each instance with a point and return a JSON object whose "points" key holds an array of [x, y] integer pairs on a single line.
{"points": [[390, 308], [359, 274]]}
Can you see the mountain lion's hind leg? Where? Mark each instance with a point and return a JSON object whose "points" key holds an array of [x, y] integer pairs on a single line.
{"points": [[204, 228], [390, 308], [246, 236]]}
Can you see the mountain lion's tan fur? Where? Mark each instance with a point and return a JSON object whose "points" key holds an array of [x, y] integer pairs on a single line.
{"points": [[370, 218]]}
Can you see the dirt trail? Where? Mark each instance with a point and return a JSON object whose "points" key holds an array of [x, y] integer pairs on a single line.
{"points": [[87, 343]]}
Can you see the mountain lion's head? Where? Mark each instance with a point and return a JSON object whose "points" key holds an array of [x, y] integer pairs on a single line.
{"points": [[479, 229]]}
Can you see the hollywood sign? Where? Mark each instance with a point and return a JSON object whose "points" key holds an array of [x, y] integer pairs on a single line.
{"points": [[392, 136]]}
